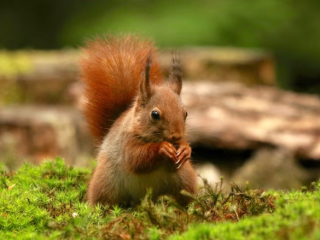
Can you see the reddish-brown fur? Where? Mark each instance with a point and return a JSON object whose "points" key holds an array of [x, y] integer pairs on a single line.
{"points": [[106, 64], [123, 87]]}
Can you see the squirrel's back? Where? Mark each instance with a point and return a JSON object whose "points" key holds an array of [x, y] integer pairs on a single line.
{"points": [[111, 69]]}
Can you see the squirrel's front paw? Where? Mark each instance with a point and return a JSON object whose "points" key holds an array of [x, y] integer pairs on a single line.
{"points": [[183, 154], [167, 149]]}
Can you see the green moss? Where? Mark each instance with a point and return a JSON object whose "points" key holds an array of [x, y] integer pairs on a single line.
{"points": [[48, 202], [297, 217]]}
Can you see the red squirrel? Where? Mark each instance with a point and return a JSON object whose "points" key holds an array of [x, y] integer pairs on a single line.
{"points": [[138, 120]]}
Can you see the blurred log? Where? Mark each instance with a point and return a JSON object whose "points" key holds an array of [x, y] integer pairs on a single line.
{"points": [[248, 66], [35, 133], [229, 116], [40, 77], [47, 77], [233, 116]]}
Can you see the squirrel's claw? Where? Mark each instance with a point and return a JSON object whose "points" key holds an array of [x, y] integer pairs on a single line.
{"points": [[169, 151], [183, 154], [181, 162]]}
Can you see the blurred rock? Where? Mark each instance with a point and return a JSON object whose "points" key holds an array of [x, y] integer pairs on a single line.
{"points": [[272, 168]]}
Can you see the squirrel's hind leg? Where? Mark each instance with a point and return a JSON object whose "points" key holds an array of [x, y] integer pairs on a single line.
{"points": [[98, 188]]}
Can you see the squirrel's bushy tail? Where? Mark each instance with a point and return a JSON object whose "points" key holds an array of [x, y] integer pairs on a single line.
{"points": [[111, 69]]}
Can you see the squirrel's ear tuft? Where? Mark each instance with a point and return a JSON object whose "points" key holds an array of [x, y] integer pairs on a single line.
{"points": [[175, 78], [145, 90]]}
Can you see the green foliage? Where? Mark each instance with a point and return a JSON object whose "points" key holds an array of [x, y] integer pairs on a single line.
{"points": [[48, 202], [254, 24]]}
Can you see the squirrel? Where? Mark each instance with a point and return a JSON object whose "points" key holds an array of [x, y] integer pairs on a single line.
{"points": [[138, 120]]}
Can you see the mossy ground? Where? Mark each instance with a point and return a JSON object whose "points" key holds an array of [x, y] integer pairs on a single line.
{"points": [[48, 202]]}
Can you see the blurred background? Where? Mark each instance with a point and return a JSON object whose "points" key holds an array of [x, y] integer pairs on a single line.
{"points": [[268, 52], [287, 28]]}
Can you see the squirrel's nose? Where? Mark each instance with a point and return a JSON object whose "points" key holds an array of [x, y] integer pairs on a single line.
{"points": [[175, 138]]}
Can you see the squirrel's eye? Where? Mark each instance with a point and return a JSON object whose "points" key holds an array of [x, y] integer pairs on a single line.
{"points": [[155, 115], [186, 114]]}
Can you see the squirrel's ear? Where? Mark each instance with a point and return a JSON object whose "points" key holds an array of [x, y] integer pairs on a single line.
{"points": [[145, 91], [175, 78]]}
